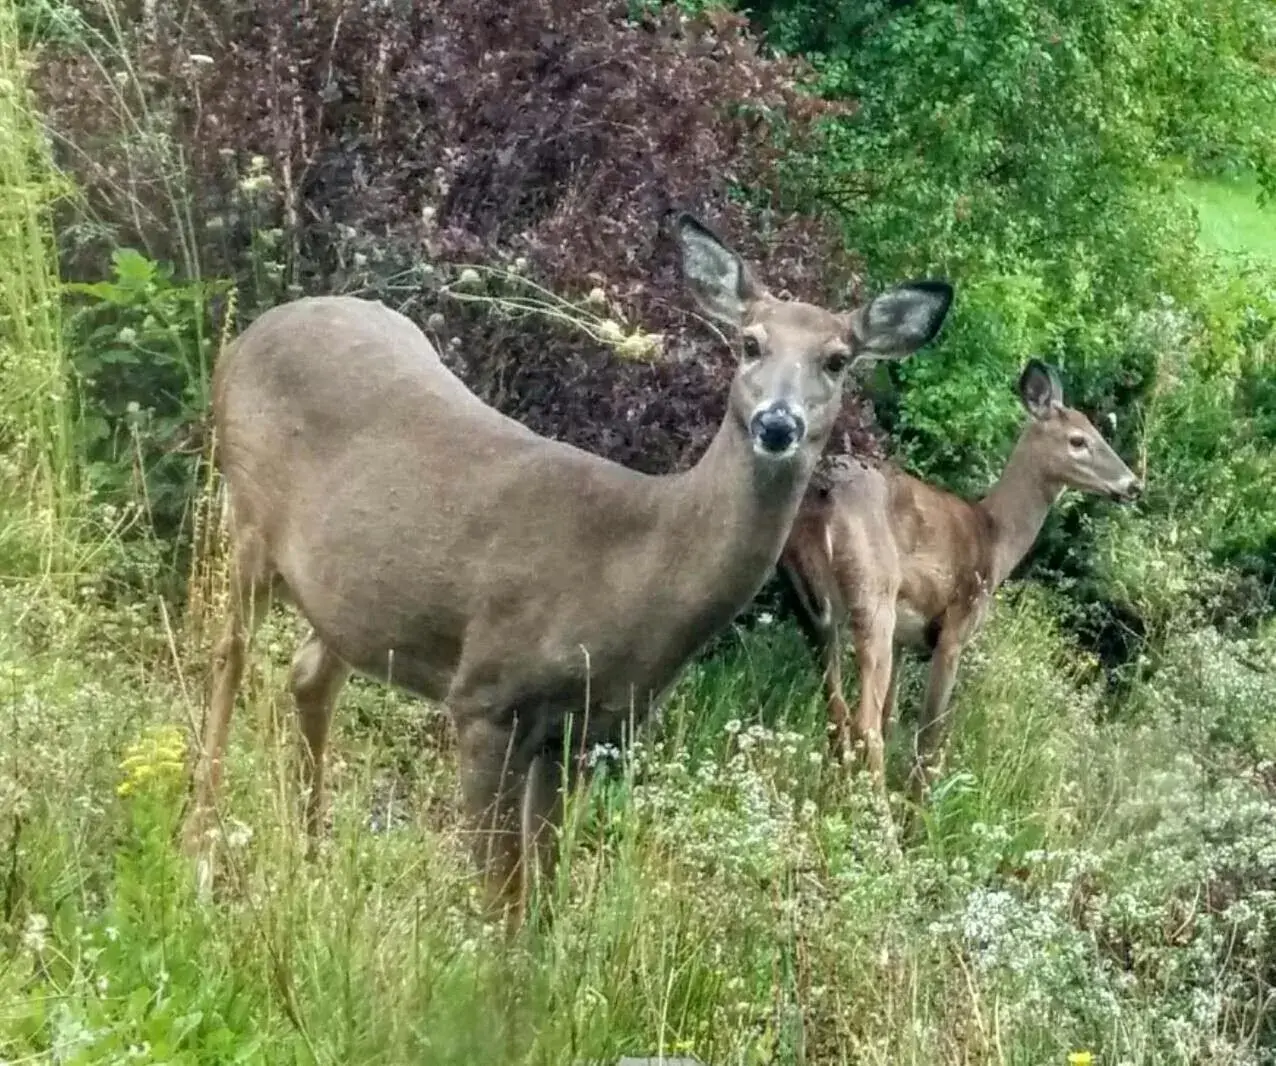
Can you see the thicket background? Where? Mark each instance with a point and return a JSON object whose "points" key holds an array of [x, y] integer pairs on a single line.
{"points": [[1097, 872]]}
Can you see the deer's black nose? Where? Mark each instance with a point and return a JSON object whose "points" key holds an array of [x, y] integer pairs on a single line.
{"points": [[1130, 491], [777, 428]]}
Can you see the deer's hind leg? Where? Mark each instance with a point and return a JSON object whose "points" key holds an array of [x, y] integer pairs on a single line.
{"points": [[315, 680]]}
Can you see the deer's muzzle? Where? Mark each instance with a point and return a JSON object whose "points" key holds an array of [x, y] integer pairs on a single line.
{"points": [[777, 428]]}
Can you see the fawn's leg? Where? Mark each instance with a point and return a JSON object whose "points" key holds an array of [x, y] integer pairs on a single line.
{"points": [[840, 731], [316, 679], [892, 697], [803, 578], [934, 721], [874, 637]]}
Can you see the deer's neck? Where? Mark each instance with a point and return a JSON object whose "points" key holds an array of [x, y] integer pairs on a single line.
{"points": [[728, 517], [1017, 504]]}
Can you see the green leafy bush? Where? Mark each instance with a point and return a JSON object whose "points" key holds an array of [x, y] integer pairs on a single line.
{"points": [[1033, 149], [143, 350]]}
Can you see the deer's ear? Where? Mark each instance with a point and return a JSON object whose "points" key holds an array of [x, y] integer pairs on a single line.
{"points": [[1039, 389], [899, 321], [720, 280]]}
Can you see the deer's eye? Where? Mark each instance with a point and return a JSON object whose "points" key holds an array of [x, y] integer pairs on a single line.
{"points": [[752, 349], [837, 362], [1077, 441]]}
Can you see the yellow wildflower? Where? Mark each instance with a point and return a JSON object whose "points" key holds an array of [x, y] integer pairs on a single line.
{"points": [[1080, 1058], [159, 755]]}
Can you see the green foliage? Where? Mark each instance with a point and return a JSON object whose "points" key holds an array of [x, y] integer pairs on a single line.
{"points": [[1034, 150], [1233, 222], [143, 352], [1206, 79], [49, 21], [37, 468], [1220, 692], [730, 894], [1211, 432], [998, 144], [144, 977], [959, 410], [1075, 884]]}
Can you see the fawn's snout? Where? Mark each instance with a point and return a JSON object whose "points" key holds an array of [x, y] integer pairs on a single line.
{"points": [[1128, 491], [777, 429]]}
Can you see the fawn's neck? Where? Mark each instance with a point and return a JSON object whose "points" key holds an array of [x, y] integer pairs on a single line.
{"points": [[1018, 504]]}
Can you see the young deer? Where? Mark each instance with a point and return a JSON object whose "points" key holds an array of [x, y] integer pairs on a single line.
{"points": [[543, 594], [909, 564]]}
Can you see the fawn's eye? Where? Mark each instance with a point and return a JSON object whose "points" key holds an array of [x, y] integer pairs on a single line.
{"points": [[752, 349], [1077, 441], [837, 362]]}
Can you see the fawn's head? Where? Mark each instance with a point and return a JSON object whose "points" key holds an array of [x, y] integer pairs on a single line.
{"points": [[1070, 451], [794, 356]]}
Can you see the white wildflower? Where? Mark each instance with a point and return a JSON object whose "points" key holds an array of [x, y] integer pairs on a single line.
{"points": [[240, 834], [33, 936]]}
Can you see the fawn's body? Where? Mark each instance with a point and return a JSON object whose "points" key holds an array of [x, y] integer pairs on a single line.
{"points": [[901, 563]]}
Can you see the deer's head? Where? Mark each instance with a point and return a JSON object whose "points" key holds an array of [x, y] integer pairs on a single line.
{"points": [[1069, 450], [794, 356]]}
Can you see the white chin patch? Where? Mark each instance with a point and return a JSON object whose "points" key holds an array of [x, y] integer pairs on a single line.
{"points": [[778, 457]]}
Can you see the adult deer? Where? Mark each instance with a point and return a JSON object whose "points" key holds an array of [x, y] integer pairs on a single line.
{"points": [[908, 564], [542, 593]]}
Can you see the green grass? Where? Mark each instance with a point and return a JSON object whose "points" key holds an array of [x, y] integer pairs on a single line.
{"points": [[35, 394], [1073, 886], [1232, 222], [42, 538]]}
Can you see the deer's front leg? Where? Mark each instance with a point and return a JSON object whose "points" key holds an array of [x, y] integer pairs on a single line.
{"points": [[542, 815], [494, 778], [934, 721]]}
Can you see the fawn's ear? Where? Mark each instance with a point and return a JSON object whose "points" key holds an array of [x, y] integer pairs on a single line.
{"points": [[719, 279], [1039, 389], [897, 322]]}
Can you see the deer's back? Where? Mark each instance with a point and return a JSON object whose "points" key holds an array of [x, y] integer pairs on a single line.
{"points": [[404, 515], [319, 370]]}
